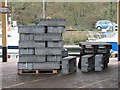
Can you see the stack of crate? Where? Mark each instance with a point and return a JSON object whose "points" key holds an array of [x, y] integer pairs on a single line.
{"points": [[40, 46], [100, 52]]}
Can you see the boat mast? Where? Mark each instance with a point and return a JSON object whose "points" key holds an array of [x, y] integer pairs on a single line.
{"points": [[118, 30], [43, 8], [4, 31]]}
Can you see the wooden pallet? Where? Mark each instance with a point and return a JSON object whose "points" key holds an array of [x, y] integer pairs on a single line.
{"points": [[37, 71]]}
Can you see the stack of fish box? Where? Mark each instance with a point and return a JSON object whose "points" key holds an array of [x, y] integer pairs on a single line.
{"points": [[40, 46], [100, 51]]}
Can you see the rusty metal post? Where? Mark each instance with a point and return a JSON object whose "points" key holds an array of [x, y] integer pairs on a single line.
{"points": [[118, 20], [4, 27]]}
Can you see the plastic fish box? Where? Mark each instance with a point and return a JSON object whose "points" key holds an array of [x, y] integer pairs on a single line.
{"points": [[25, 44], [25, 66], [114, 46], [87, 63], [56, 29], [31, 29], [54, 58], [103, 51], [47, 65], [28, 44], [26, 51], [99, 62], [64, 52], [55, 43], [31, 58], [48, 51], [52, 22], [47, 37], [69, 65], [26, 37]]}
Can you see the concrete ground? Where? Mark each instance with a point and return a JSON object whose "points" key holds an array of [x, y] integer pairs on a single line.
{"points": [[108, 78]]}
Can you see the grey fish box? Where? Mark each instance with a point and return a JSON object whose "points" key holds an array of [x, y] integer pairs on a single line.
{"points": [[48, 51], [99, 62], [69, 65], [26, 37], [27, 44], [26, 51], [25, 66], [47, 37], [52, 22], [31, 29], [55, 43], [56, 29], [87, 63], [31, 58], [47, 65], [51, 58]]}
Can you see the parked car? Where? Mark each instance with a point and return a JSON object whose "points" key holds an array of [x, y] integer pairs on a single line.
{"points": [[105, 24], [115, 26]]}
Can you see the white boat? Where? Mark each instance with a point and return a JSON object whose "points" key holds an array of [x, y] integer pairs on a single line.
{"points": [[12, 40]]}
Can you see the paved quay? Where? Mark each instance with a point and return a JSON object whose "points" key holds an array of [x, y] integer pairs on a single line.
{"points": [[108, 78]]}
